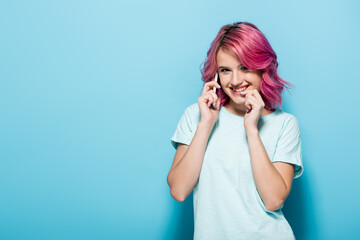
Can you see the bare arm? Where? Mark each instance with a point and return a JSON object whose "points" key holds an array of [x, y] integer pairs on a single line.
{"points": [[273, 180], [186, 167], [185, 171]]}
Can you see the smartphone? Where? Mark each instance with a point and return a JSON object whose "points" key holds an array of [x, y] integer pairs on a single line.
{"points": [[216, 80]]}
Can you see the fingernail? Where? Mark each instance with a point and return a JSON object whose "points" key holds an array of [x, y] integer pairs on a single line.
{"points": [[219, 86], [214, 105], [247, 110], [209, 104]]}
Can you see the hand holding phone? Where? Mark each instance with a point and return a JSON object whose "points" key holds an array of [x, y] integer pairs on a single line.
{"points": [[209, 102], [216, 80], [214, 89]]}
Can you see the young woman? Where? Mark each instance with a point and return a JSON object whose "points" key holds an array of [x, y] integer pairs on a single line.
{"points": [[234, 148]]}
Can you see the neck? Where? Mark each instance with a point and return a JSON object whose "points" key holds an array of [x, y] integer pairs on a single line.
{"points": [[240, 110]]}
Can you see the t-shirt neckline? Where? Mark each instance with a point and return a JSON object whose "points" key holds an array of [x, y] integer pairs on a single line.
{"points": [[224, 110]]}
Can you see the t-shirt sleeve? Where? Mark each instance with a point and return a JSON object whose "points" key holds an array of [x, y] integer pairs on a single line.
{"points": [[185, 129], [289, 147]]}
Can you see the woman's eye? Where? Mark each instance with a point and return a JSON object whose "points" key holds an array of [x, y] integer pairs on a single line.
{"points": [[223, 70], [244, 68]]}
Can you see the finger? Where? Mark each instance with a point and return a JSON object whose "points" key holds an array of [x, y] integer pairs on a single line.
{"points": [[215, 84], [205, 95], [258, 99], [211, 99], [247, 92], [251, 101], [255, 93], [251, 104], [248, 105], [214, 96], [258, 96], [205, 98], [216, 104], [254, 99], [210, 86]]}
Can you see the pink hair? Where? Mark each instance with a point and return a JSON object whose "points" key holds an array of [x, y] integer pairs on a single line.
{"points": [[254, 52]]}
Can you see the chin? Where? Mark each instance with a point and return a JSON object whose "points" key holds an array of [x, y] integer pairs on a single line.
{"points": [[238, 101]]}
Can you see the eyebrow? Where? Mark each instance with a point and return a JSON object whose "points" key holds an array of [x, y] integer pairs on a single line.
{"points": [[229, 67]]}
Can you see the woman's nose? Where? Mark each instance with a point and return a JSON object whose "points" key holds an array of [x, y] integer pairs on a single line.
{"points": [[236, 78]]}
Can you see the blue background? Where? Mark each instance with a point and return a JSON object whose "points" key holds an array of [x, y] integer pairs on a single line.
{"points": [[91, 93]]}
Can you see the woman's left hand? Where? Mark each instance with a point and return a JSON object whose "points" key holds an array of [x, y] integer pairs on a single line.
{"points": [[255, 106]]}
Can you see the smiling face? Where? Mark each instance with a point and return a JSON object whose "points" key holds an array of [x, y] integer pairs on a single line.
{"points": [[235, 77]]}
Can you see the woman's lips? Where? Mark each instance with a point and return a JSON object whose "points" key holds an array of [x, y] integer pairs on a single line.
{"points": [[238, 93]]}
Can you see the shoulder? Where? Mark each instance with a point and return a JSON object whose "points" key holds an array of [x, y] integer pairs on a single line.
{"points": [[281, 120], [285, 116], [288, 120], [193, 109], [193, 113]]}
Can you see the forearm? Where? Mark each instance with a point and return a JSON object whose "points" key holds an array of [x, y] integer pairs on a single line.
{"points": [[269, 183], [184, 176]]}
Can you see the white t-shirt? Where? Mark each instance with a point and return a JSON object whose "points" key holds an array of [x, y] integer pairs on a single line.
{"points": [[227, 204]]}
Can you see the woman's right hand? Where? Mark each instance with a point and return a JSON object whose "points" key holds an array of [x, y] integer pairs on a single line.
{"points": [[209, 114]]}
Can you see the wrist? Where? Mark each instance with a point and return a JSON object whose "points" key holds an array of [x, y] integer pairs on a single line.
{"points": [[206, 124], [251, 131]]}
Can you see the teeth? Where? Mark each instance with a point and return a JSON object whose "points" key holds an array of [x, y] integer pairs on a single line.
{"points": [[240, 90]]}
